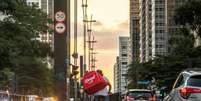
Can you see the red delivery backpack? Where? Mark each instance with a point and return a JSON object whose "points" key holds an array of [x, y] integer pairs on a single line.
{"points": [[93, 82]]}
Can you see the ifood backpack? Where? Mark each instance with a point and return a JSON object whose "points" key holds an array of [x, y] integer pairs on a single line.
{"points": [[93, 82]]}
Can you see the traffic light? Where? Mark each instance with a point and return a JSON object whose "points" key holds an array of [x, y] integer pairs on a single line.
{"points": [[75, 70]]}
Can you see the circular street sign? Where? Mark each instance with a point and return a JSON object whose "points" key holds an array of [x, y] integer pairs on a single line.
{"points": [[60, 28], [60, 16]]}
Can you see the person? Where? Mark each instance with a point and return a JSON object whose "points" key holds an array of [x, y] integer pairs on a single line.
{"points": [[103, 95]]}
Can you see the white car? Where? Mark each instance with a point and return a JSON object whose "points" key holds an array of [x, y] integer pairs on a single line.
{"points": [[187, 87]]}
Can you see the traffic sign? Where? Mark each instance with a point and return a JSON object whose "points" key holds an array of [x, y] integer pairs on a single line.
{"points": [[143, 82], [60, 28], [60, 16]]}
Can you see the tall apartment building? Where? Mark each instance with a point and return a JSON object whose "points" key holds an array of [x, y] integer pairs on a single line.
{"points": [[156, 27], [117, 76], [121, 66], [134, 30], [47, 6], [145, 30]]}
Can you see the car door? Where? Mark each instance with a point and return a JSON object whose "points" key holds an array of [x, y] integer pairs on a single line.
{"points": [[174, 94]]}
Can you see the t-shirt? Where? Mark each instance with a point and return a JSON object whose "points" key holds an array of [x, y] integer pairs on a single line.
{"points": [[103, 92]]}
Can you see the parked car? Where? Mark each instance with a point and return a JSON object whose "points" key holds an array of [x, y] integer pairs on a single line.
{"points": [[187, 87], [139, 95]]}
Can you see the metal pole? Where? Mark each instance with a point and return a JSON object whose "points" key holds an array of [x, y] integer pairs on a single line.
{"points": [[84, 8], [62, 48], [75, 47], [68, 51]]}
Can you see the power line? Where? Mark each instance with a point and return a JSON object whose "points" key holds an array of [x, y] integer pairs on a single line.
{"points": [[90, 40]]}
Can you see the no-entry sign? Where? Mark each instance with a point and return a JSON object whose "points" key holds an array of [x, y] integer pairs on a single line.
{"points": [[60, 28]]}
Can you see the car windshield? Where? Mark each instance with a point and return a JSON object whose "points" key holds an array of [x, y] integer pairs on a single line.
{"points": [[140, 94], [195, 81]]}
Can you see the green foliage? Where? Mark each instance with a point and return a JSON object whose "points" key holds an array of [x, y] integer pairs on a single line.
{"points": [[189, 15], [32, 69], [5, 75], [181, 42], [20, 52]]}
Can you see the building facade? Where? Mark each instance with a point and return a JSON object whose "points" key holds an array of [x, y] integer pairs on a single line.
{"points": [[156, 27], [134, 31], [117, 76], [122, 64]]}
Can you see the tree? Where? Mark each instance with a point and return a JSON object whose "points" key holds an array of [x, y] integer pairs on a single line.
{"points": [[20, 52], [189, 15], [6, 75], [133, 74], [32, 69]]}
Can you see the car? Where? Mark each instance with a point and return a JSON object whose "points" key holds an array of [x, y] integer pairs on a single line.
{"points": [[4, 95], [187, 86], [139, 95]]}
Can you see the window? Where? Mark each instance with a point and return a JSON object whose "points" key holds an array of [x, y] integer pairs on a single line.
{"points": [[160, 1], [159, 9], [160, 31], [124, 55], [159, 46], [194, 81], [124, 63], [160, 24], [123, 47], [159, 16], [179, 81]]}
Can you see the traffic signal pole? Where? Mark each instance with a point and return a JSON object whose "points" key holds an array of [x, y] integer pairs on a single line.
{"points": [[62, 49]]}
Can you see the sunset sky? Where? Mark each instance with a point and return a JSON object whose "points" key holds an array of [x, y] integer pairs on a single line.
{"points": [[112, 22]]}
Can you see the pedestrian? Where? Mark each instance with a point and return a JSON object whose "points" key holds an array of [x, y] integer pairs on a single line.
{"points": [[103, 95]]}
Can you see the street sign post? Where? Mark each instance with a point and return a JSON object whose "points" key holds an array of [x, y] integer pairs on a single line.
{"points": [[62, 48]]}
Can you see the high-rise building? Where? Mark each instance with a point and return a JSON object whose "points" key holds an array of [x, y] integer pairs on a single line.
{"points": [[47, 6], [122, 64], [145, 30], [156, 27], [134, 30], [117, 76]]}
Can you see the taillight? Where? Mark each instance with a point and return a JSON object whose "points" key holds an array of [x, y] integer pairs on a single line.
{"points": [[152, 98], [185, 92], [130, 98]]}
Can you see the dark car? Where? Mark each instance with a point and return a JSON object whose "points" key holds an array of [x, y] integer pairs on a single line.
{"points": [[139, 95]]}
